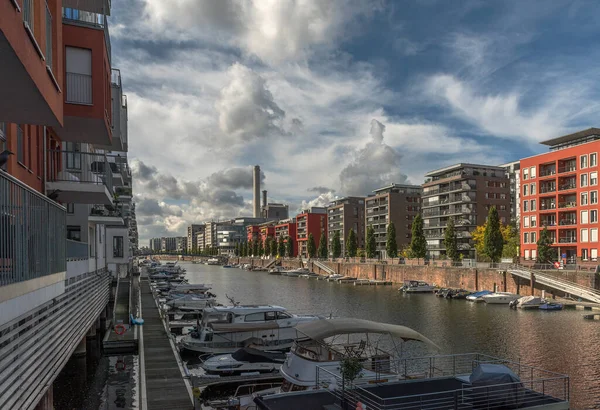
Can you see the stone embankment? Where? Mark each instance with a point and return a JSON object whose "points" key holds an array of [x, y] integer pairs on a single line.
{"points": [[451, 277]]}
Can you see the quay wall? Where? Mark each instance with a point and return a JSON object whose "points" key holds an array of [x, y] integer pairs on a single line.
{"points": [[451, 277]]}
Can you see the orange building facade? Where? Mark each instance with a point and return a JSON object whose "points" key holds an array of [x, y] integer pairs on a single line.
{"points": [[286, 230], [559, 191], [307, 223]]}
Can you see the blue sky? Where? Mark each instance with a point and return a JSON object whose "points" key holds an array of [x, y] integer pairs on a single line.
{"points": [[344, 95]]}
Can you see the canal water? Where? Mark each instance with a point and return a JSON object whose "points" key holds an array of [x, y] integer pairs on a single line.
{"points": [[562, 341]]}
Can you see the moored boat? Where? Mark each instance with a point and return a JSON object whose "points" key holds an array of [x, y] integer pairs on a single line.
{"points": [[500, 298], [527, 302], [417, 286], [243, 361], [551, 306], [478, 296]]}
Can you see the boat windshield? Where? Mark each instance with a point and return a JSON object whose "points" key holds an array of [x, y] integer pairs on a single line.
{"points": [[217, 317]]}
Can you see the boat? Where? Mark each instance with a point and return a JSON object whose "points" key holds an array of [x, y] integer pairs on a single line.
{"points": [[191, 301], [478, 296], [500, 298], [551, 306], [308, 275], [295, 272], [224, 329], [334, 276], [227, 266], [243, 361], [237, 392], [527, 302], [277, 270], [458, 294], [441, 293], [417, 286], [212, 261]]}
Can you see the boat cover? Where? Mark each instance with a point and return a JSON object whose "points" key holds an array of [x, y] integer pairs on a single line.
{"points": [[531, 300], [322, 329], [247, 354], [499, 386], [487, 374]]}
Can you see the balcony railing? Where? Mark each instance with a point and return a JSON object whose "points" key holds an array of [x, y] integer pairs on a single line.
{"points": [[77, 250], [79, 88], [80, 167], [28, 13], [547, 206], [547, 189], [564, 222], [567, 168], [565, 187], [32, 233], [48, 37], [107, 211], [570, 239], [547, 172], [568, 204]]}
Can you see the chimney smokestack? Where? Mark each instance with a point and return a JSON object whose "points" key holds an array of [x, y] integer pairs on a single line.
{"points": [[256, 186], [264, 199]]}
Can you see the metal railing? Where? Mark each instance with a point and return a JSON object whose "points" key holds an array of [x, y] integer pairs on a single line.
{"points": [[80, 167], [567, 240], [535, 387], [564, 187], [77, 250], [32, 233], [48, 37], [20, 145], [567, 168], [567, 204], [79, 88], [547, 189], [28, 13], [547, 172]]}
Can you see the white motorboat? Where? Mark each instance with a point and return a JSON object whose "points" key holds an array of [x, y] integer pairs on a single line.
{"points": [[334, 276], [417, 286], [245, 360], [478, 296], [191, 301], [527, 302], [500, 298], [212, 261], [196, 287], [295, 272], [224, 329]]}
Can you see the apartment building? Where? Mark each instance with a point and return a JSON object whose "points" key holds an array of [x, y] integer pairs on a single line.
{"points": [[230, 235], [287, 229], [560, 192], [63, 115], [192, 231], [513, 173], [181, 244], [464, 192], [200, 241], [342, 215], [155, 244], [395, 203], [312, 220]]}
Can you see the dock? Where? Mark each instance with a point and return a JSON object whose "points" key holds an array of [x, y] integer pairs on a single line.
{"points": [[163, 385], [370, 282], [126, 303]]}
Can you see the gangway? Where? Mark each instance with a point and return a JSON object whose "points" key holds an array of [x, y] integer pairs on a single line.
{"points": [[563, 285], [324, 267], [272, 263]]}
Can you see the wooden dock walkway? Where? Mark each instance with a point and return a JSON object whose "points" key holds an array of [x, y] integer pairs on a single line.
{"points": [[164, 385]]}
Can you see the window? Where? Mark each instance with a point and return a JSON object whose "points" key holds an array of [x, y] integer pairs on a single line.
{"points": [[525, 206], [584, 198], [584, 235], [533, 237], [270, 315], [117, 247], [532, 172], [525, 189], [20, 145], [74, 233], [594, 235], [526, 237], [594, 178], [593, 160], [73, 155], [526, 222], [527, 254], [502, 196], [584, 217], [532, 189], [283, 315], [79, 75], [583, 180], [533, 205], [533, 254], [255, 317], [533, 221], [583, 161], [526, 173], [70, 208], [584, 254], [594, 216], [594, 254], [593, 197]]}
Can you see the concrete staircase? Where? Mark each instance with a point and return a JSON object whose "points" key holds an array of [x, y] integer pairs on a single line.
{"points": [[324, 267]]}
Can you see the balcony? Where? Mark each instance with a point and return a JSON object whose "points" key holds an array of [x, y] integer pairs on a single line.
{"points": [[546, 206], [567, 167], [29, 90], [80, 178], [32, 233], [91, 6], [567, 221], [567, 239], [547, 171], [547, 189], [107, 215], [565, 184]]}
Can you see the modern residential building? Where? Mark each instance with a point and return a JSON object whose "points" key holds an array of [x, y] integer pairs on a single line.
{"points": [[344, 214], [252, 233], [181, 244], [513, 172], [192, 241], [395, 203], [312, 220], [168, 244], [287, 229], [560, 191], [64, 227], [266, 230], [230, 235], [464, 192], [155, 244], [200, 241], [210, 234]]}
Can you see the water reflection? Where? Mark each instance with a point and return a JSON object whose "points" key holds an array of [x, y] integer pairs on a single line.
{"points": [[557, 341]]}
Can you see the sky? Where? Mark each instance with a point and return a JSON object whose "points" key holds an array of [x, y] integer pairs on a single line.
{"points": [[339, 97]]}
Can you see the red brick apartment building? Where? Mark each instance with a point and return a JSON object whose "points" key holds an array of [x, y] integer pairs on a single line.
{"points": [[559, 190], [286, 229], [313, 220]]}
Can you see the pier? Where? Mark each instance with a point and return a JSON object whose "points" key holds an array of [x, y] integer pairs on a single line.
{"points": [[126, 304], [162, 382]]}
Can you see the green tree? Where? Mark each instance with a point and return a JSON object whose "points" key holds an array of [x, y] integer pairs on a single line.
{"points": [[370, 246], [243, 249], [289, 247], [418, 243], [255, 247], [511, 241], [273, 247], [450, 241], [336, 245], [236, 251], [261, 247], [267, 245], [391, 247], [493, 242], [351, 244], [281, 247], [322, 252], [311, 248], [545, 253]]}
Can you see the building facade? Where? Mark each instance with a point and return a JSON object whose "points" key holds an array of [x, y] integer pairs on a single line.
{"points": [[513, 172], [464, 192], [313, 220], [560, 192], [155, 244], [395, 203], [192, 241], [287, 230], [181, 244], [168, 244], [275, 211], [345, 214]]}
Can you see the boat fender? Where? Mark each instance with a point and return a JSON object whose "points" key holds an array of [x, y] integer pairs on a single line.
{"points": [[120, 329], [120, 365], [360, 406]]}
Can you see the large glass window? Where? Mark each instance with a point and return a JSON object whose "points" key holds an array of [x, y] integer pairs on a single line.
{"points": [[583, 180], [594, 234], [74, 233], [525, 190], [584, 198], [594, 216], [526, 237], [584, 217], [584, 235], [593, 197], [532, 172], [583, 161], [255, 317], [533, 221], [117, 247], [73, 155], [593, 160]]}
